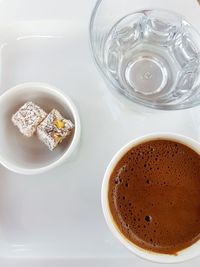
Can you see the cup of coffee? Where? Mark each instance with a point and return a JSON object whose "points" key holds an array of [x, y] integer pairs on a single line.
{"points": [[151, 197]]}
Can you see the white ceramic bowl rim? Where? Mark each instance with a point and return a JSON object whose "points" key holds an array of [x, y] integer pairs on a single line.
{"points": [[181, 256], [45, 88]]}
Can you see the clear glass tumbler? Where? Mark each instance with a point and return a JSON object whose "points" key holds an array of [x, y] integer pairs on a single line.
{"points": [[152, 56]]}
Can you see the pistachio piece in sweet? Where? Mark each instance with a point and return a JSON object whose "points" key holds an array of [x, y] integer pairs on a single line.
{"points": [[59, 124]]}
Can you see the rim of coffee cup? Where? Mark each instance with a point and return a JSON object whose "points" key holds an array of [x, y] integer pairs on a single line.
{"points": [[181, 256]]}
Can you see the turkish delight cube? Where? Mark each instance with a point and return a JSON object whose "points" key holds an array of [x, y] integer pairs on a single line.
{"points": [[54, 129], [28, 117]]}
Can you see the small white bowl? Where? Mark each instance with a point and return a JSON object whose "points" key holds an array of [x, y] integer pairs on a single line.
{"points": [[183, 255], [29, 155]]}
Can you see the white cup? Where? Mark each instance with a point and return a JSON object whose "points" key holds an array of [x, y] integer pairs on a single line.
{"points": [[28, 155], [183, 255]]}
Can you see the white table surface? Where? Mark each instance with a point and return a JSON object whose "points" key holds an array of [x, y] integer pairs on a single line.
{"points": [[55, 219]]}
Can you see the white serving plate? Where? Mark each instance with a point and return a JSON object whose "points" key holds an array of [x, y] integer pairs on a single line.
{"points": [[55, 219]]}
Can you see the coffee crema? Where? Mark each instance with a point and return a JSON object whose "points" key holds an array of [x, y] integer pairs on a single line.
{"points": [[154, 196]]}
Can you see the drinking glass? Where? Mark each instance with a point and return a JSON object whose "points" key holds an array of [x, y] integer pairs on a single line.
{"points": [[152, 56]]}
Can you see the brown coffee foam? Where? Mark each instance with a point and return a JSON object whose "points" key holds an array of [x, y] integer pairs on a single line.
{"points": [[154, 196]]}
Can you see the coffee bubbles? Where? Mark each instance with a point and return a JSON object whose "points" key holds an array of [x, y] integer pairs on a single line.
{"points": [[154, 192]]}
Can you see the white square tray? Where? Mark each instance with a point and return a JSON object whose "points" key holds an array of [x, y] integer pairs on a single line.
{"points": [[55, 219]]}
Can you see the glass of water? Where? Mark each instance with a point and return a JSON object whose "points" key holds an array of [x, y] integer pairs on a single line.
{"points": [[150, 56]]}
